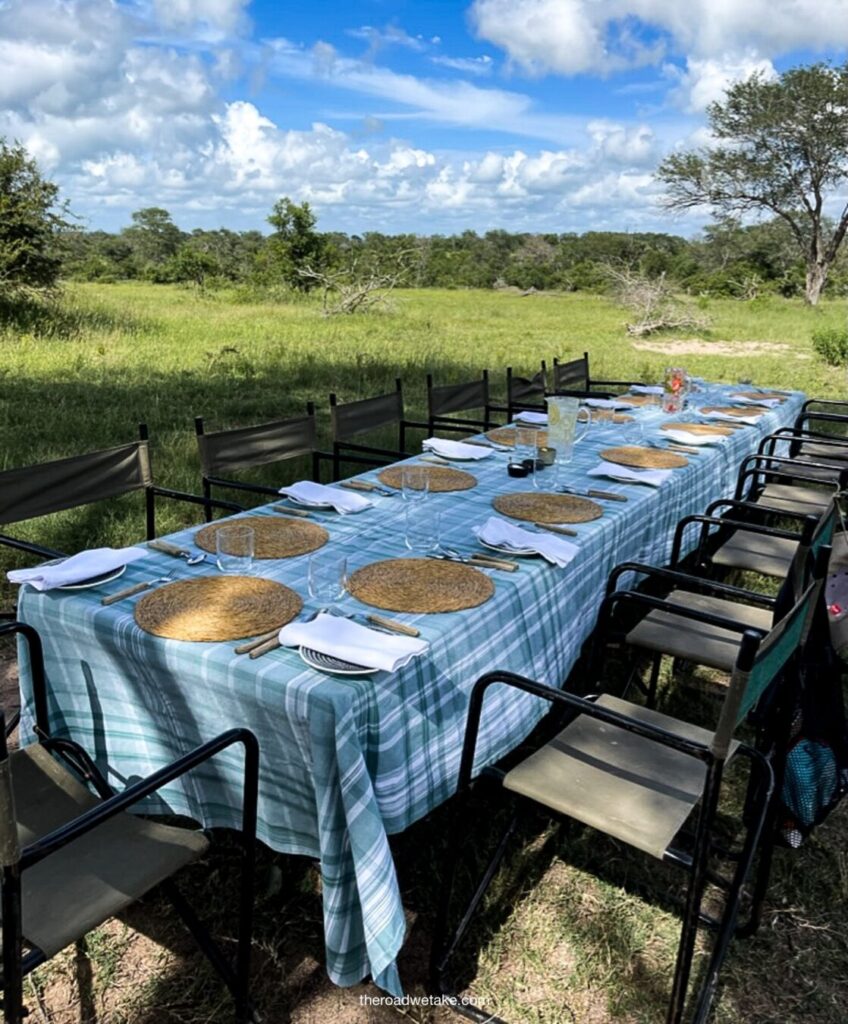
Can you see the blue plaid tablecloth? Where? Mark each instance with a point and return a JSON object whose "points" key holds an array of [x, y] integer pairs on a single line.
{"points": [[345, 762]]}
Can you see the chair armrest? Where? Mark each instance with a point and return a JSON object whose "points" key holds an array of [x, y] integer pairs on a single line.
{"points": [[760, 463], [60, 837], [196, 499], [687, 582], [679, 610], [415, 423], [750, 506], [30, 548], [561, 697], [735, 526]]}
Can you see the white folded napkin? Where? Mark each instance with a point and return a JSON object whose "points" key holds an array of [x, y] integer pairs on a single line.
{"points": [[769, 403], [684, 437], [646, 389], [77, 568], [606, 403], [539, 419], [317, 494], [654, 477], [341, 638], [750, 420], [456, 449], [499, 532]]}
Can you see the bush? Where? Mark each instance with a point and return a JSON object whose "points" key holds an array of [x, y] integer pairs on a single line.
{"points": [[831, 343]]}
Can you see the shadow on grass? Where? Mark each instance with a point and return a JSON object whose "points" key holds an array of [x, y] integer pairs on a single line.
{"points": [[58, 318]]}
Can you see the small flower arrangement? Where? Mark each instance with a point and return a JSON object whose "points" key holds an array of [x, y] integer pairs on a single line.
{"points": [[674, 388]]}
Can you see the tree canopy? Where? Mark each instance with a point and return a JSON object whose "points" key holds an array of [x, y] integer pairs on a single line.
{"points": [[781, 149], [31, 218]]}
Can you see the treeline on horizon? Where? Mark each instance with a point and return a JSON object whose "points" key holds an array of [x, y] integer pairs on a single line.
{"points": [[726, 260]]}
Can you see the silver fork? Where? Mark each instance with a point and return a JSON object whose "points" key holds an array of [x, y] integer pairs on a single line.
{"points": [[138, 587]]}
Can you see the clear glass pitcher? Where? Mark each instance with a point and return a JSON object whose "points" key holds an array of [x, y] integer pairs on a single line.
{"points": [[563, 434]]}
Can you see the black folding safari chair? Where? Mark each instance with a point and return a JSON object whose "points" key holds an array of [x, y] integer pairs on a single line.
{"points": [[572, 378], [224, 452], [648, 780], [444, 400], [72, 856], [819, 434], [33, 491], [784, 484], [352, 419]]}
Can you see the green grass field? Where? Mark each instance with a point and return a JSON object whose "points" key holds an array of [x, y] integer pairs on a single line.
{"points": [[577, 929]]}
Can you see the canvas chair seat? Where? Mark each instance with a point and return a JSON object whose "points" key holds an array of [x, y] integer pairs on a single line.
{"points": [[698, 641], [627, 786], [819, 452], [808, 501], [97, 875], [771, 556]]}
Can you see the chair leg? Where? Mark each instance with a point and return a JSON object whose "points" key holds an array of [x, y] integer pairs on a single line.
{"points": [[443, 947], [13, 980]]}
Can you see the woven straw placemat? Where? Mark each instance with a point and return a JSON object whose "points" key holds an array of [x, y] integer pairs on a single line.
{"points": [[217, 608], [609, 416], [735, 410], [644, 458], [506, 435], [638, 399], [442, 478], [273, 537], [540, 507], [420, 585], [699, 428], [760, 395]]}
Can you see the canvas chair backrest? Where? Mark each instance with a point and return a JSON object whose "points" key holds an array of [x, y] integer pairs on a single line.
{"points": [[33, 491], [750, 681], [571, 376], [366, 414], [448, 398], [527, 389], [228, 451]]}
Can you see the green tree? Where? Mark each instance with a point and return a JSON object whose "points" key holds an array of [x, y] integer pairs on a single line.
{"points": [[154, 237], [31, 220], [295, 244], [782, 149]]}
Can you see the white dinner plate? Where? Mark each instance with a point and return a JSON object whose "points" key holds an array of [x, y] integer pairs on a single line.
{"points": [[308, 504], [335, 666], [94, 581]]}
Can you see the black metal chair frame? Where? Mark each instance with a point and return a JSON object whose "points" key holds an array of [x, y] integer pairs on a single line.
{"points": [[696, 863], [16, 964], [456, 424], [229, 483], [368, 455], [591, 387], [516, 404], [758, 469], [151, 493]]}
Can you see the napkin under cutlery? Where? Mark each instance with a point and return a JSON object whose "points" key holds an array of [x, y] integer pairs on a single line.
{"points": [[606, 403], [456, 449], [750, 420], [537, 419], [76, 569], [312, 493], [499, 532], [684, 437], [652, 477], [341, 638]]}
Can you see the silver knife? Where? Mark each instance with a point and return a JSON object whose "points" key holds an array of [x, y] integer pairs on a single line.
{"points": [[592, 493]]}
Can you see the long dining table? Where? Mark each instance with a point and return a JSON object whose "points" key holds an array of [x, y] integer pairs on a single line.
{"points": [[348, 761]]}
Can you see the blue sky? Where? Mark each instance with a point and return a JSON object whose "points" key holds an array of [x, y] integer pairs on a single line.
{"points": [[390, 115]]}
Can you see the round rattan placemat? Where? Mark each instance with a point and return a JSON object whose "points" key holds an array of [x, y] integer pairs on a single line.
{"points": [[609, 416], [442, 478], [506, 435], [735, 410], [272, 537], [217, 608], [541, 507], [420, 585], [699, 428], [639, 399], [761, 396], [644, 458]]}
